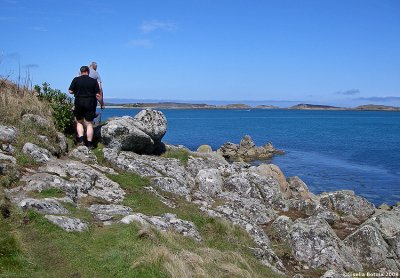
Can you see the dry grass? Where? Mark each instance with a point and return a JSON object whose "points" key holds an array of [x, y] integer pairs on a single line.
{"points": [[201, 262], [15, 102]]}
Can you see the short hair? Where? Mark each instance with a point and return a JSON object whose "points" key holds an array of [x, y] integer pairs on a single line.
{"points": [[93, 65], [85, 69]]}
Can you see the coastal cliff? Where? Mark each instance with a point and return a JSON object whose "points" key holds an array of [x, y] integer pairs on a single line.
{"points": [[136, 206]]}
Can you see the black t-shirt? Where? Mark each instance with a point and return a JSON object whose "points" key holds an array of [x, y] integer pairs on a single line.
{"points": [[84, 87]]}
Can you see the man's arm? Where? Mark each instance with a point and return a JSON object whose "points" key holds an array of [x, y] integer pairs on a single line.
{"points": [[72, 87]]}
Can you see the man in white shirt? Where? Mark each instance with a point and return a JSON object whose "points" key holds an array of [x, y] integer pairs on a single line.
{"points": [[95, 75]]}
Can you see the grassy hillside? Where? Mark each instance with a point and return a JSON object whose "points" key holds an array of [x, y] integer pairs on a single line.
{"points": [[31, 246]]}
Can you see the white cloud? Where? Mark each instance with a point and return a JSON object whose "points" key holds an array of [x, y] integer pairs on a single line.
{"points": [[151, 26], [349, 92], [140, 43]]}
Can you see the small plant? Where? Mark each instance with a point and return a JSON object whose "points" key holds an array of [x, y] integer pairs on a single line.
{"points": [[61, 104], [182, 155]]}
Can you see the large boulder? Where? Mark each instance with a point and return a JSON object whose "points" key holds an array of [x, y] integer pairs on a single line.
{"points": [[68, 224], [7, 134], [345, 202], [209, 181], [371, 249], [141, 134], [315, 243]]}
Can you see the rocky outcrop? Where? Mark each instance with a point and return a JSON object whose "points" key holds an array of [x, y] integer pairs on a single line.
{"points": [[165, 222], [141, 134], [83, 154], [316, 244], [247, 151], [7, 134], [345, 202], [371, 249], [68, 224], [45, 206], [204, 149], [38, 154]]}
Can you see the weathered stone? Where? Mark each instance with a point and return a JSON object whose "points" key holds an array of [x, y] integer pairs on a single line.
{"points": [[122, 134], [170, 185], [37, 153], [88, 181], [62, 142], [141, 134], [388, 222], [246, 150], [384, 206], [271, 170], [298, 189], [83, 154], [204, 149], [45, 206], [110, 209], [152, 122], [370, 248], [67, 223], [165, 222], [36, 119], [7, 158], [209, 181], [315, 243], [282, 227], [346, 202], [206, 161], [8, 148], [7, 134]]}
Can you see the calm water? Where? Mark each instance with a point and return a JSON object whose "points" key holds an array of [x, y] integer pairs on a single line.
{"points": [[329, 150]]}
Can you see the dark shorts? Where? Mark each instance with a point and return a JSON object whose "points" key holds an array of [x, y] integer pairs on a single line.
{"points": [[85, 108]]}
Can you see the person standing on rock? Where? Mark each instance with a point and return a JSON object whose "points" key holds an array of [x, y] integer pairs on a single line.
{"points": [[95, 75], [87, 92]]}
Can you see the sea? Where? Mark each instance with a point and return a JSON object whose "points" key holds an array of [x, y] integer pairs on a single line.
{"points": [[328, 150]]}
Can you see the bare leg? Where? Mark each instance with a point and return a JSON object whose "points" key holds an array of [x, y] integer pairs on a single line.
{"points": [[89, 131], [79, 128]]}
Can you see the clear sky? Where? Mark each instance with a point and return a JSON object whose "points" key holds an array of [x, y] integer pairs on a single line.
{"points": [[338, 52]]}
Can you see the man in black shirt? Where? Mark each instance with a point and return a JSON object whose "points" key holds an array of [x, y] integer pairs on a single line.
{"points": [[86, 91]]}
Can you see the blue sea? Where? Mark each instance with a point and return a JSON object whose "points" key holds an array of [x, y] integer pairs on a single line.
{"points": [[328, 150]]}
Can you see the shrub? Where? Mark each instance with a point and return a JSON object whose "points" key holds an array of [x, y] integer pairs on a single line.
{"points": [[61, 104]]}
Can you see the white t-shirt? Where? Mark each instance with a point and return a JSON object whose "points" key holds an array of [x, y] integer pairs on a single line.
{"points": [[95, 75]]}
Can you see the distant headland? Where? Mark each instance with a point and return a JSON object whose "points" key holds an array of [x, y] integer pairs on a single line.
{"points": [[301, 106]]}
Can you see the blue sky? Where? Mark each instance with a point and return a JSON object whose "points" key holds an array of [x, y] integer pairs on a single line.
{"points": [[341, 52]]}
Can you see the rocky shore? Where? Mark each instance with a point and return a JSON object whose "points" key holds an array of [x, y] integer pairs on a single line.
{"points": [[296, 233]]}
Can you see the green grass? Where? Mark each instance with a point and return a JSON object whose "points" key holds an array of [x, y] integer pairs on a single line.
{"points": [[48, 193], [180, 154]]}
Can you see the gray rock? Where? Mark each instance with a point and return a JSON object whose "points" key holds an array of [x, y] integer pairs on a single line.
{"points": [[141, 134], [110, 209], [88, 181], [346, 202], [282, 227], [83, 154], [171, 185], [8, 148], [37, 153], [369, 247], [209, 181], [246, 150], [62, 142], [67, 223], [45, 206], [271, 170], [152, 122], [165, 222], [298, 189], [7, 158], [316, 244], [388, 222], [204, 149], [36, 119], [123, 134], [7, 134]]}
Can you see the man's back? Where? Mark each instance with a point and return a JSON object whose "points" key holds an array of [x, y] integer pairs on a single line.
{"points": [[84, 87]]}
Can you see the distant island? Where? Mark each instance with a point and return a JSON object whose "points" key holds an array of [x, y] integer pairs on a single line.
{"points": [[301, 106]]}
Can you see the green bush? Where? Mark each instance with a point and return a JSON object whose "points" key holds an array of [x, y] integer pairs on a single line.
{"points": [[61, 104]]}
